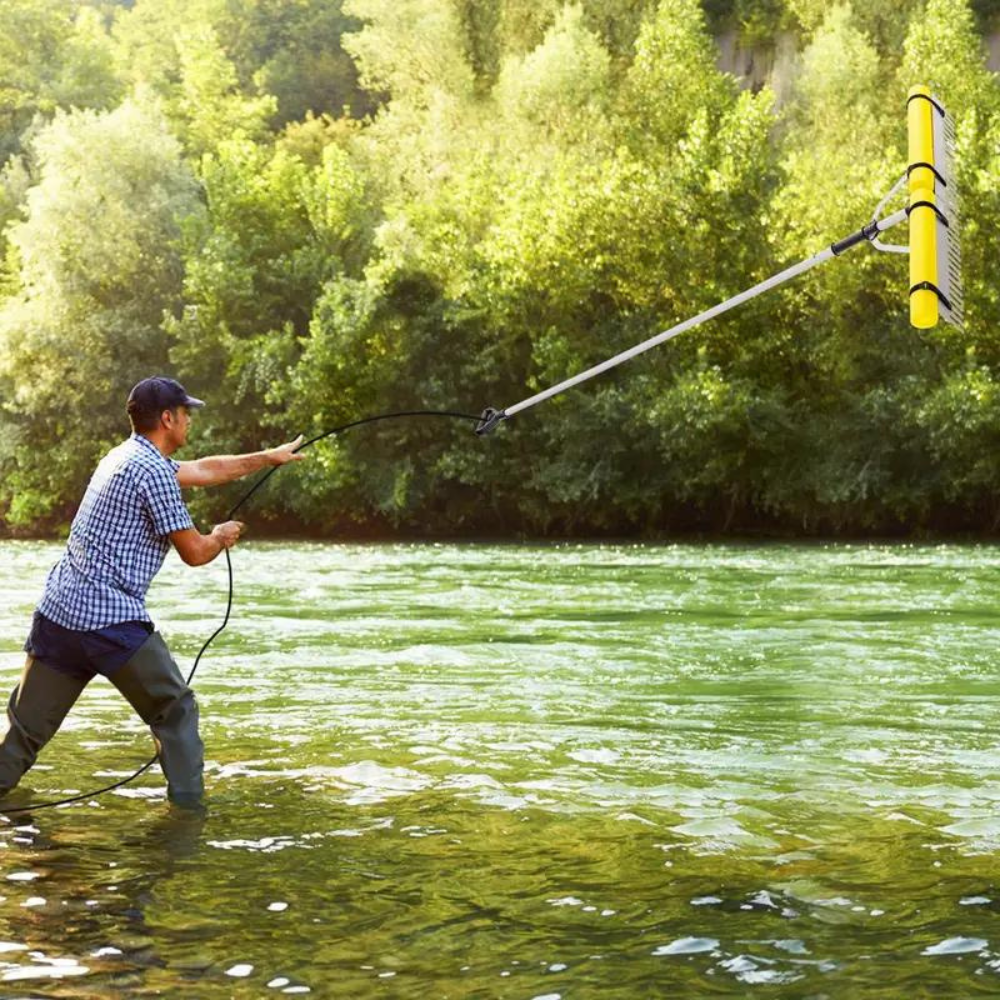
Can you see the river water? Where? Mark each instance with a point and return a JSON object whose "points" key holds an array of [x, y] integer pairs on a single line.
{"points": [[580, 771]]}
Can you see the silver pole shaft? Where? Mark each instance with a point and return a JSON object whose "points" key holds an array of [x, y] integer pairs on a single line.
{"points": [[660, 338]]}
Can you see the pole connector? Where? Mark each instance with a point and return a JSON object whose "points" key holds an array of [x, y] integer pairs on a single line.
{"points": [[489, 421], [869, 232]]}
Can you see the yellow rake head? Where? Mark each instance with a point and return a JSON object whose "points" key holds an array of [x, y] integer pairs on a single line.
{"points": [[935, 257]]}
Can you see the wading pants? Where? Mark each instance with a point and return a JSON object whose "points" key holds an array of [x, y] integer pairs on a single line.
{"points": [[152, 684]]}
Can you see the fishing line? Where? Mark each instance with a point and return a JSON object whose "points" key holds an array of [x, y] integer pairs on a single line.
{"points": [[229, 597]]}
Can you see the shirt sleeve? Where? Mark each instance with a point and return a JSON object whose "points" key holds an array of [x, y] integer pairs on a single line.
{"points": [[160, 495]]}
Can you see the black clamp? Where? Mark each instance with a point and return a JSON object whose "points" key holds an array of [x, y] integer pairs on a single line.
{"points": [[923, 164], [928, 204], [489, 421], [869, 232], [929, 286], [930, 100]]}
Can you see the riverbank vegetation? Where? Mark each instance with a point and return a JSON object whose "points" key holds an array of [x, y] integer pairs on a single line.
{"points": [[311, 211]]}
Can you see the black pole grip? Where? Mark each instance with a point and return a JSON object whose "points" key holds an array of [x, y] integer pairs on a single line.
{"points": [[869, 232]]}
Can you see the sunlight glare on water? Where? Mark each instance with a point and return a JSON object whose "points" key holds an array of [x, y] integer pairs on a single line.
{"points": [[581, 770]]}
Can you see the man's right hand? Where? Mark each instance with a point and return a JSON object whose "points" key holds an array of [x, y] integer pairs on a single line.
{"points": [[228, 533], [197, 549]]}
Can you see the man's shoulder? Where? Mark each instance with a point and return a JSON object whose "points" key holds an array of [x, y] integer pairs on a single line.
{"points": [[143, 460]]}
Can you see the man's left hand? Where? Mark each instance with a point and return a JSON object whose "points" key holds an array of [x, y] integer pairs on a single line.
{"points": [[286, 452]]}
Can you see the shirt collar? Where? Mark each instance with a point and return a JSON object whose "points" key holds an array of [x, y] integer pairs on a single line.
{"points": [[146, 443]]}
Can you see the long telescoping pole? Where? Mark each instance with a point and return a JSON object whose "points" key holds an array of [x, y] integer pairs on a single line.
{"points": [[491, 418]]}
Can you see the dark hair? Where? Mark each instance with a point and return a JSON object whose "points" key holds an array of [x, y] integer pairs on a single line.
{"points": [[143, 418]]}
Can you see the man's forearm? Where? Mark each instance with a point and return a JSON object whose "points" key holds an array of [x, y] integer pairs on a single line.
{"points": [[197, 549], [209, 546], [216, 469]]}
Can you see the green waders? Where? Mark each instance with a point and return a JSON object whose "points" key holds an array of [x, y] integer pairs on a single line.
{"points": [[35, 711], [152, 684]]}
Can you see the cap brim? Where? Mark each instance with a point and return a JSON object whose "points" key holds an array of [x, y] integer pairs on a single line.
{"points": [[191, 401]]}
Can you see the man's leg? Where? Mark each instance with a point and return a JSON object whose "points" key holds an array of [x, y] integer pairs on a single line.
{"points": [[154, 687], [35, 711]]}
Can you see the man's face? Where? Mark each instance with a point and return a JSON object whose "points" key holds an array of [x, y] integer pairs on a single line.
{"points": [[177, 422]]}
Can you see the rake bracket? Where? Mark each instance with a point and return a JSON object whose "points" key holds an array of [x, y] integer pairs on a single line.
{"points": [[888, 247]]}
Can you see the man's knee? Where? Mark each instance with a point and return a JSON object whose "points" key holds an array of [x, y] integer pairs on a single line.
{"points": [[152, 683], [35, 710], [181, 713], [39, 703]]}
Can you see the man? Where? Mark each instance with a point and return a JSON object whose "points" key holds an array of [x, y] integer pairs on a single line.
{"points": [[92, 617]]}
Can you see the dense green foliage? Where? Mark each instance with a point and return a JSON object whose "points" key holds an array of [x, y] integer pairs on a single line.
{"points": [[311, 211]]}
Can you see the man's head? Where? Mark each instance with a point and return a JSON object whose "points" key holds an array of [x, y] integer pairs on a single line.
{"points": [[159, 407]]}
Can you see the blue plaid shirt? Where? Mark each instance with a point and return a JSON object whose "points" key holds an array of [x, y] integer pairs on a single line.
{"points": [[118, 540]]}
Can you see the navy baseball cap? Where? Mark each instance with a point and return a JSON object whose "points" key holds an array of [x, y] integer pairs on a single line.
{"points": [[159, 393]]}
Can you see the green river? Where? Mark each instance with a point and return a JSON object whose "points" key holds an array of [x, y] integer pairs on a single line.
{"points": [[567, 772]]}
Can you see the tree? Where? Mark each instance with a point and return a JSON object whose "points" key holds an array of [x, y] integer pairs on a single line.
{"points": [[672, 75], [411, 50], [959, 410], [209, 104], [243, 49], [883, 21], [297, 47], [274, 231], [854, 360], [97, 269], [561, 86], [52, 54]]}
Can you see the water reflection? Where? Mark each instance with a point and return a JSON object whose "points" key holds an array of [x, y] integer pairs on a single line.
{"points": [[583, 771], [90, 891]]}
